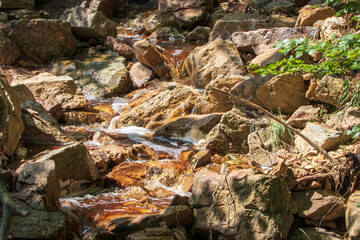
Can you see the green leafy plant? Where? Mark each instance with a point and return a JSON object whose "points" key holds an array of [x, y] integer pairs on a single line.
{"points": [[278, 133], [354, 132]]}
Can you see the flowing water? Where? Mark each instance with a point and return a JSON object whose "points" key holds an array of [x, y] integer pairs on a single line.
{"points": [[167, 173]]}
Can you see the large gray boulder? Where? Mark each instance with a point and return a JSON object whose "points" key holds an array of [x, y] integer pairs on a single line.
{"points": [[42, 40], [246, 205], [88, 23]]}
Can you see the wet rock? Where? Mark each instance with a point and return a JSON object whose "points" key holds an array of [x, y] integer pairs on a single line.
{"points": [[161, 19], [211, 101], [97, 73], [325, 137], [148, 55], [132, 224], [309, 15], [47, 87], [353, 216], [269, 56], [258, 41], [236, 22], [11, 4], [108, 7], [303, 115], [188, 12], [284, 92], [230, 135], [182, 126], [240, 206], [329, 89], [344, 120], [38, 185], [218, 57], [53, 38], [158, 106], [141, 74], [39, 225], [40, 126], [281, 6], [305, 233], [319, 204], [73, 164], [9, 52], [158, 233], [331, 26], [11, 125], [88, 23], [126, 174], [199, 34], [18, 14], [166, 33], [80, 118], [121, 48], [178, 215], [201, 159]]}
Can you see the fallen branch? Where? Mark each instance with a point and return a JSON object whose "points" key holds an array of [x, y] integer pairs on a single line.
{"points": [[304, 180], [9, 207], [267, 113]]}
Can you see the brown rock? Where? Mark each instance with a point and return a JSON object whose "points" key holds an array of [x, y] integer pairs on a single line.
{"points": [[353, 216], [167, 33], [47, 87], [11, 125], [148, 55], [126, 174], [160, 19], [309, 15], [113, 43], [331, 26], [10, 4], [141, 74], [53, 38], [201, 159], [329, 89], [234, 6], [269, 56], [319, 204], [79, 118], [199, 34], [344, 120], [9, 52], [303, 115], [178, 215], [215, 58], [108, 7]]}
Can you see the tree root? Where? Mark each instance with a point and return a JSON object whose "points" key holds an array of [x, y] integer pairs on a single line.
{"points": [[9, 209]]}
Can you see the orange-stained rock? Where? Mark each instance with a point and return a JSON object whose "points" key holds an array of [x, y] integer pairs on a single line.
{"points": [[309, 15], [113, 43], [126, 174], [148, 55], [156, 107], [80, 118], [106, 112], [201, 159]]}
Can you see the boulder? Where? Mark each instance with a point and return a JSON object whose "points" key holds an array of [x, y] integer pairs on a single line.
{"points": [[88, 23], [213, 101], [178, 215], [285, 92], [160, 19], [234, 6], [38, 185], [166, 33], [9, 52], [47, 87], [269, 56], [326, 138], [236, 22], [216, 16], [309, 15], [126, 174], [237, 207], [230, 135], [353, 216], [344, 119], [97, 73], [73, 164], [286, 7], [123, 49], [150, 56], [219, 57], [141, 74], [53, 38], [157, 106], [331, 26], [257, 41], [40, 126], [11, 4], [329, 89], [199, 34], [260, 3], [188, 12], [108, 7], [319, 204], [185, 126], [39, 225], [11, 124], [302, 115], [201, 159]]}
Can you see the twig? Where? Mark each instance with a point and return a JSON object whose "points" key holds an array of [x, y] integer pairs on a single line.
{"points": [[292, 183], [267, 113]]}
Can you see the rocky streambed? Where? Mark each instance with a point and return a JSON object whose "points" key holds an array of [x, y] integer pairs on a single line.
{"points": [[112, 127]]}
